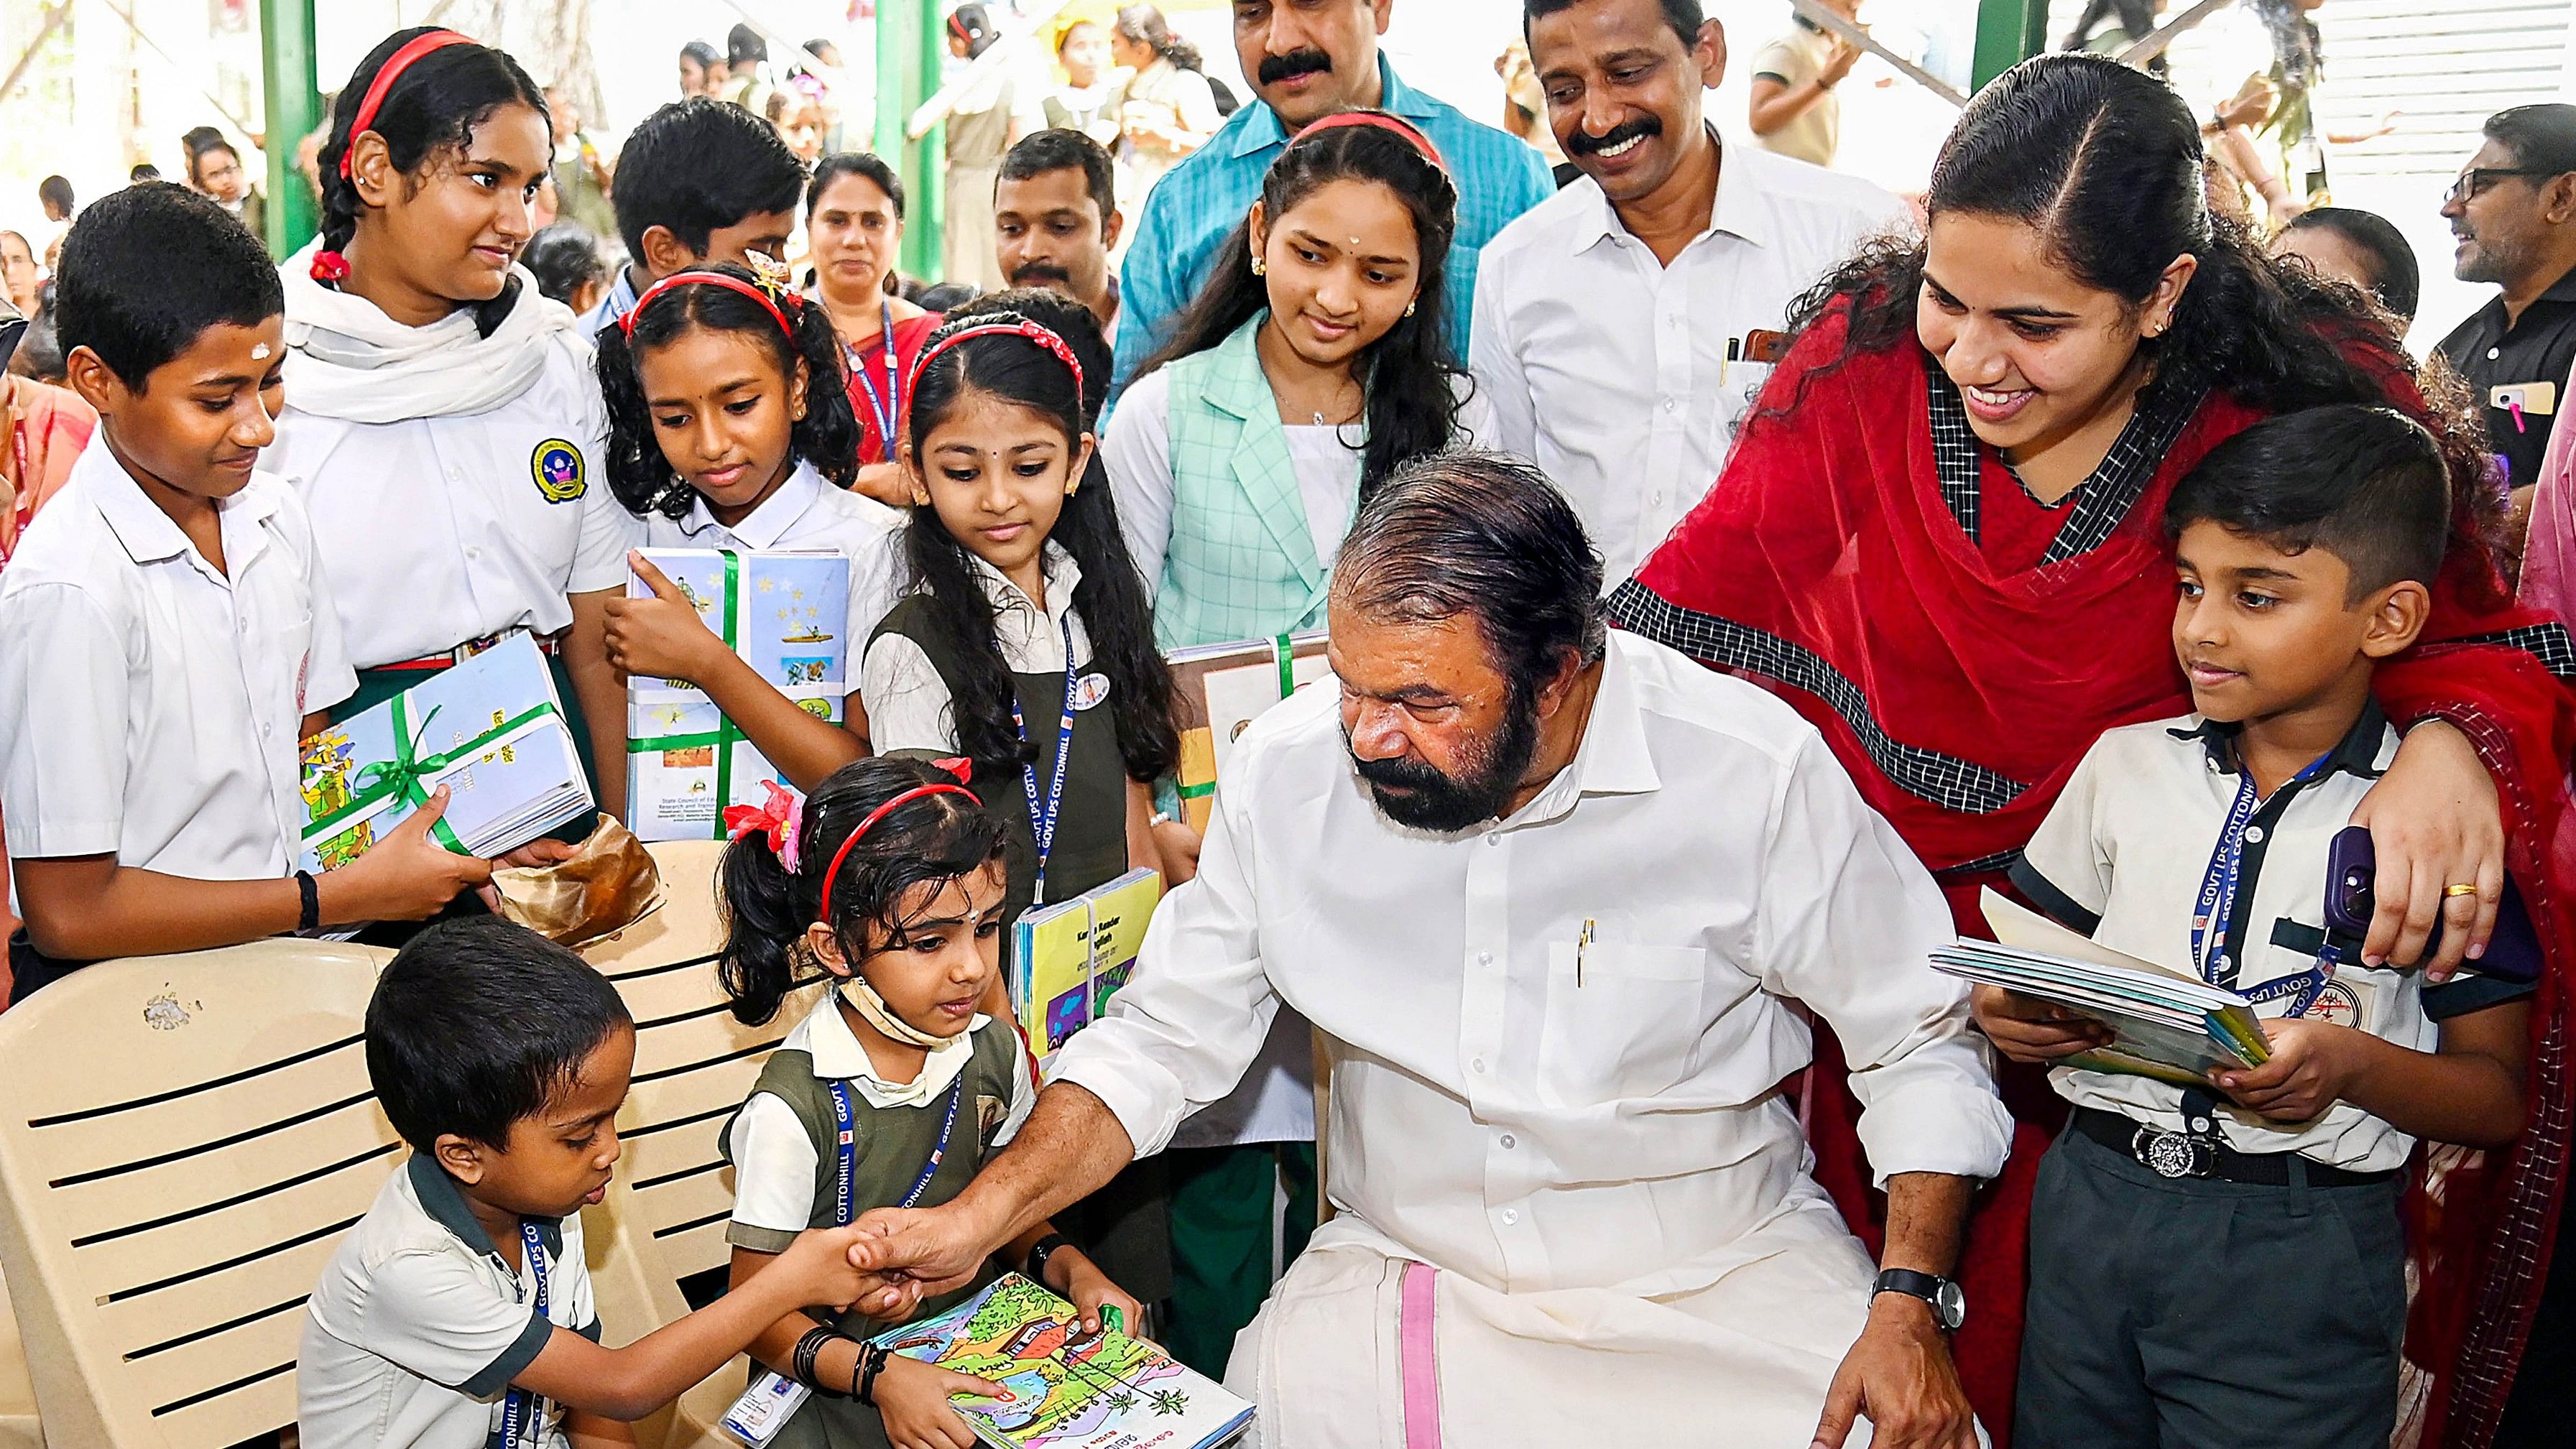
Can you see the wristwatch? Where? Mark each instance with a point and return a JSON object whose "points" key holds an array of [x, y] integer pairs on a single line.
{"points": [[1039, 1252], [1949, 1305]]}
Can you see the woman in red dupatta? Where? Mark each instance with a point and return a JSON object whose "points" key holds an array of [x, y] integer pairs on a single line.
{"points": [[1939, 538]]}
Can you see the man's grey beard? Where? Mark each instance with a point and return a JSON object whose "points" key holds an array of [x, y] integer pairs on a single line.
{"points": [[1438, 802]]}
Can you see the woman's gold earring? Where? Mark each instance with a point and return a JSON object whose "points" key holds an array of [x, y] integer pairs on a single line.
{"points": [[1408, 308], [1260, 268]]}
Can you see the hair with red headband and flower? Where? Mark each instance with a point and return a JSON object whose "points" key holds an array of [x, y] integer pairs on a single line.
{"points": [[863, 856]]}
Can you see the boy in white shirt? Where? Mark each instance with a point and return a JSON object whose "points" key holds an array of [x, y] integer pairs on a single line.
{"points": [[457, 1313], [165, 635], [2235, 1274]]}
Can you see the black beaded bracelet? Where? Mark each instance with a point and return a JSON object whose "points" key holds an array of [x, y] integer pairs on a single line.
{"points": [[809, 1348], [309, 917], [872, 1361]]}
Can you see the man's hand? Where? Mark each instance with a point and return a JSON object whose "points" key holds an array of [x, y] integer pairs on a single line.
{"points": [[2029, 1029], [1900, 1375], [920, 1251], [2311, 1068]]}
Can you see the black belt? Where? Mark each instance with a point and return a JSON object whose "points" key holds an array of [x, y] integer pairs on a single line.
{"points": [[2177, 1155]]}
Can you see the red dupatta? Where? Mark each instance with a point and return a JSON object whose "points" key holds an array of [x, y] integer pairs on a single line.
{"points": [[1825, 564]]}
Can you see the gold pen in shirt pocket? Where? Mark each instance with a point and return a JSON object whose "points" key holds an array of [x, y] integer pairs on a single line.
{"points": [[1582, 943]]}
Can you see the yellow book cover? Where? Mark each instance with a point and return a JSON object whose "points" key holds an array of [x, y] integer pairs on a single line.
{"points": [[1069, 958]]}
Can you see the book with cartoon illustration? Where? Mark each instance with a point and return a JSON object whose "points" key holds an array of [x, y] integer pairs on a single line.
{"points": [[1069, 958], [1069, 1389], [491, 730], [783, 612]]}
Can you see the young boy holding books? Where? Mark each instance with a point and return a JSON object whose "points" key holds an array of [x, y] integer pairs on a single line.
{"points": [[2223, 1264], [166, 637], [457, 1313]]}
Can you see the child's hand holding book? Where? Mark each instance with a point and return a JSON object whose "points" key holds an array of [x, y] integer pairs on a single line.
{"points": [[2034, 1029], [1070, 1272], [2313, 1066], [912, 1396]]}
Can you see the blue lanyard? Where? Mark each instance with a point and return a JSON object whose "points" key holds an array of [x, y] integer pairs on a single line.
{"points": [[1042, 822], [520, 1409], [2216, 905], [846, 1153], [889, 407]]}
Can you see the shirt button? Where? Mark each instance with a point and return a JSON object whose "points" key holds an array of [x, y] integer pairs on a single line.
{"points": [[1510, 1141], [2494, 352], [1493, 837], [2254, 835], [1668, 405], [474, 553], [1484, 958], [1658, 497], [2221, 963], [1511, 1216], [1477, 1066]]}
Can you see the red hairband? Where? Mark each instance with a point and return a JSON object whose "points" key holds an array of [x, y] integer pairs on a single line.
{"points": [[1043, 337], [386, 74], [626, 324], [960, 768], [1379, 120]]}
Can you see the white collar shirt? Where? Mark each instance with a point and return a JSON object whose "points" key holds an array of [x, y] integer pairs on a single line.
{"points": [[807, 513], [442, 530], [1609, 369], [1513, 1101], [907, 702], [150, 704]]}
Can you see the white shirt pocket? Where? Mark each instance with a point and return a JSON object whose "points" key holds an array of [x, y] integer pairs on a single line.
{"points": [[1621, 1026]]}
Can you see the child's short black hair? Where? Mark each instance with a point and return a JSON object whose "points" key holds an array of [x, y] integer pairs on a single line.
{"points": [[479, 1023], [147, 269], [699, 165], [2366, 484]]}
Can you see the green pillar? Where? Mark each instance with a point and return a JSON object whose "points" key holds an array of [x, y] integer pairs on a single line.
{"points": [[909, 51], [2008, 33], [293, 100]]}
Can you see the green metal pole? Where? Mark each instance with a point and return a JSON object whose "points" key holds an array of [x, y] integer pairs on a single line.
{"points": [[928, 158], [293, 99], [908, 51], [2008, 33]]}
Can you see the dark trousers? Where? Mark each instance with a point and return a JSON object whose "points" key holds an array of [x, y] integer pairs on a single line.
{"points": [[2181, 1313]]}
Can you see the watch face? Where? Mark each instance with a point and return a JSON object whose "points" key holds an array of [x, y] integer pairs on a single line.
{"points": [[1951, 1304]]}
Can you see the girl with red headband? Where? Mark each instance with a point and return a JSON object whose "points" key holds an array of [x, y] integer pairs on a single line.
{"points": [[441, 422], [728, 428], [888, 882]]}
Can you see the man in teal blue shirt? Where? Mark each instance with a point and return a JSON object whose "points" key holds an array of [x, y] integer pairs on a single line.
{"points": [[1308, 59]]}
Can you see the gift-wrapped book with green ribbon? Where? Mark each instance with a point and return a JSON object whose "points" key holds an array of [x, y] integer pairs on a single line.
{"points": [[784, 612], [491, 729]]}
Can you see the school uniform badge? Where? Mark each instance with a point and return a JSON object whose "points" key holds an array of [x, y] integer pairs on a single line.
{"points": [[557, 467]]}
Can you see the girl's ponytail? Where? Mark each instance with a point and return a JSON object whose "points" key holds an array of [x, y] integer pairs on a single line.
{"points": [[765, 915]]}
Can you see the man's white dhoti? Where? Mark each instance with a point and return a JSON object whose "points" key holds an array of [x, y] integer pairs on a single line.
{"points": [[1744, 1362]]}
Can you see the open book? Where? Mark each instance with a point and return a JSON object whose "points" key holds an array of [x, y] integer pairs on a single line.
{"points": [[2170, 1026]]}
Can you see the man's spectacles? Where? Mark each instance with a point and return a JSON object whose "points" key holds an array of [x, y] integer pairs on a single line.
{"points": [[2473, 183]]}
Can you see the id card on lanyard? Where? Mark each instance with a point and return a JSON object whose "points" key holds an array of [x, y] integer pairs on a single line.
{"points": [[887, 407], [523, 1414], [1042, 820], [2212, 952]]}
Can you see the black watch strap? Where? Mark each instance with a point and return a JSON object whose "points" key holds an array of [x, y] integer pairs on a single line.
{"points": [[1044, 1249], [1949, 1305], [309, 919]]}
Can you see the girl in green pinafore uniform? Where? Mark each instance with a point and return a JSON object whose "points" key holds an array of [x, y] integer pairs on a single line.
{"points": [[1024, 644], [890, 881]]}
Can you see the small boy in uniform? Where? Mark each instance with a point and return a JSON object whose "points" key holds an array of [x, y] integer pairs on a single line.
{"points": [[2224, 1264], [457, 1313], [166, 637], [698, 182]]}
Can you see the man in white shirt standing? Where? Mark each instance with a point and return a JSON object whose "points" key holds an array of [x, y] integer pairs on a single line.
{"points": [[1548, 896], [1622, 326]]}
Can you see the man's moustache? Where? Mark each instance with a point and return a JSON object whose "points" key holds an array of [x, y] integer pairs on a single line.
{"points": [[1277, 68], [1036, 272], [1582, 143]]}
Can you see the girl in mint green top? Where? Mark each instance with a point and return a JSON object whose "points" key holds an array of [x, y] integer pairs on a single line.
{"points": [[1312, 365]]}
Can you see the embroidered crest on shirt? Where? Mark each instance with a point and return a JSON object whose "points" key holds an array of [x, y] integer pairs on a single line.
{"points": [[557, 467]]}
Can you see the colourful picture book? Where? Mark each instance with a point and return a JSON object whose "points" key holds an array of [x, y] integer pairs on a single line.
{"points": [[491, 729], [1069, 1390], [783, 612], [1068, 959], [1221, 688]]}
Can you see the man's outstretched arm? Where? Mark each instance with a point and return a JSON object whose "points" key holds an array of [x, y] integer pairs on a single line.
{"points": [[1900, 1373]]}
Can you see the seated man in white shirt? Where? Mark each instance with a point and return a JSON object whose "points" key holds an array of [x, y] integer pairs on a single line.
{"points": [[1548, 896], [1622, 326]]}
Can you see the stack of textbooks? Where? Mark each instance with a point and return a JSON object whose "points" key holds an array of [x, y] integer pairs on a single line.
{"points": [[1068, 959], [491, 730], [784, 612], [2169, 1026]]}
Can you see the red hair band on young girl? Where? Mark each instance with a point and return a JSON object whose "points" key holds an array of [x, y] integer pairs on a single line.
{"points": [[330, 266], [1379, 120], [626, 324], [1042, 336], [960, 768]]}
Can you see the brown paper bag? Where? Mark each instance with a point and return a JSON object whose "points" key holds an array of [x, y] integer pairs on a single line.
{"points": [[610, 883]]}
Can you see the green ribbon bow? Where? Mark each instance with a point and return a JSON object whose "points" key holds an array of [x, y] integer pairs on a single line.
{"points": [[405, 778]]}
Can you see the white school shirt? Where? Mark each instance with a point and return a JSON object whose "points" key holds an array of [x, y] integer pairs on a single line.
{"points": [[907, 702], [150, 706], [1493, 1113], [418, 1326], [1608, 369], [2122, 856], [775, 1159], [811, 512], [441, 530], [1136, 449]]}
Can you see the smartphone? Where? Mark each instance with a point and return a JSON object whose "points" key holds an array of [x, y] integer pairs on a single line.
{"points": [[2513, 950]]}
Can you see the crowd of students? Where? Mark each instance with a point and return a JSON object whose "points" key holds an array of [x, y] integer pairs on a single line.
{"points": [[2064, 454]]}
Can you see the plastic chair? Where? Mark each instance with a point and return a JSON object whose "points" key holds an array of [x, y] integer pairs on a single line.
{"points": [[18, 1428], [184, 1142]]}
